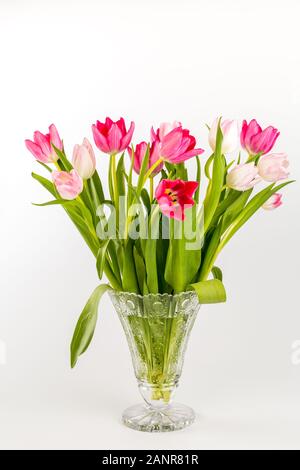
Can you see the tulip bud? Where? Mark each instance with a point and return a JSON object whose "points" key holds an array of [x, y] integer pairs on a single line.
{"points": [[243, 177], [273, 167], [273, 202], [230, 133], [84, 160], [68, 185]]}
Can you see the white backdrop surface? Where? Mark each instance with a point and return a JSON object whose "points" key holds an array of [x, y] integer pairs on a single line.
{"points": [[149, 61]]}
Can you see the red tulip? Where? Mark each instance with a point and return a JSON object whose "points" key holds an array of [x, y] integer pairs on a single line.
{"points": [[255, 140], [175, 143], [112, 137], [139, 154], [174, 196], [41, 146]]}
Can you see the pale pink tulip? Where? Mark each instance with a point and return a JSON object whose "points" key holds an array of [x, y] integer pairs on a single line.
{"points": [[41, 146], [230, 131], [255, 140], [243, 177], [273, 167], [68, 185], [112, 137], [273, 202], [84, 160]]}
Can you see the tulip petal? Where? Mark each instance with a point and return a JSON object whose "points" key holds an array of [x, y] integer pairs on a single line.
{"points": [[36, 151], [100, 140], [114, 137], [54, 137], [127, 138]]}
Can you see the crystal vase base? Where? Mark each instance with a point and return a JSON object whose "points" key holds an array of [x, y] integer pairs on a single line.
{"points": [[173, 417]]}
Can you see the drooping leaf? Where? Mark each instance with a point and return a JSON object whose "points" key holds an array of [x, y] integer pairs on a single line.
{"points": [[209, 292], [86, 324]]}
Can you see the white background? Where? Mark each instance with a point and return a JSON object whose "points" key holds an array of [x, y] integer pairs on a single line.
{"points": [[151, 61]]}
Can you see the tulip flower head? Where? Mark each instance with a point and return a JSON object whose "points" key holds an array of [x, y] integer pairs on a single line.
{"points": [[273, 202], [84, 160], [175, 143], [139, 154], [68, 185], [174, 196], [255, 140], [112, 137], [243, 177], [230, 133], [41, 146], [273, 167]]}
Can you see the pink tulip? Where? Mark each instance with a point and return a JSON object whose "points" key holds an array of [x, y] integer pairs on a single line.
{"points": [[243, 177], [230, 133], [177, 145], [139, 154], [84, 160], [41, 146], [112, 137], [255, 140], [273, 202], [273, 167], [68, 185], [174, 196]]}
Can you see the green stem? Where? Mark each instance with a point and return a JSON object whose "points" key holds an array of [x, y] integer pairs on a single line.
{"points": [[151, 188], [115, 185], [152, 168]]}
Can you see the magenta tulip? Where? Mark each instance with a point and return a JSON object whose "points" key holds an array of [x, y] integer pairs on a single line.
{"points": [[273, 167], [41, 146], [68, 185], [273, 202], [243, 177], [174, 196], [175, 145], [139, 154], [84, 160], [255, 140], [112, 137]]}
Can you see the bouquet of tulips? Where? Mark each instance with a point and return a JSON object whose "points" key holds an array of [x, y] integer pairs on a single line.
{"points": [[153, 233]]}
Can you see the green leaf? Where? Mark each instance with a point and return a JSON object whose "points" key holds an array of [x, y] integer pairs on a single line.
{"points": [[121, 176], [143, 171], [54, 202], [130, 283], [140, 271], [46, 183], [62, 157], [216, 184], [101, 257], [210, 292], [183, 260], [96, 189], [235, 209], [253, 205], [217, 273], [86, 324], [198, 179], [146, 200]]}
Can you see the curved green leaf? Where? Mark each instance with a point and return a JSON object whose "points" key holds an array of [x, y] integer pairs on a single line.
{"points": [[210, 292], [86, 324]]}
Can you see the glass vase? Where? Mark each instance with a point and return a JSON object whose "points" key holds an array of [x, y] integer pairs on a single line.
{"points": [[157, 327]]}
